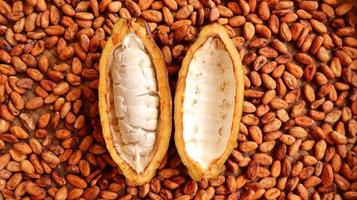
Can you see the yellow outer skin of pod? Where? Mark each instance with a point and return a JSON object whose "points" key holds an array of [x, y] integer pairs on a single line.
{"points": [[215, 168], [121, 28]]}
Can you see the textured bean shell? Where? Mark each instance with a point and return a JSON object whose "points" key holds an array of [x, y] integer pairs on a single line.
{"points": [[163, 132], [194, 169]]}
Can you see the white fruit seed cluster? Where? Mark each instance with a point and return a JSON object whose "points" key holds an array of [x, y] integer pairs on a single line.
{"points": [[135, 101]]}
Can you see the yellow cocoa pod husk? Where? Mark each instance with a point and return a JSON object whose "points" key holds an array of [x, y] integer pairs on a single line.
{"points": [[211, 72], [107, 109]]}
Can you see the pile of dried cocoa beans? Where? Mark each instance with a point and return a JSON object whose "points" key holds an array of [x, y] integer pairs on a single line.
{"points": [[298, 129]]}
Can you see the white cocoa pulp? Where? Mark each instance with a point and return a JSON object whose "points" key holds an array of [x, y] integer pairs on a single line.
{"points": [[134, 93], [209, 101]]}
